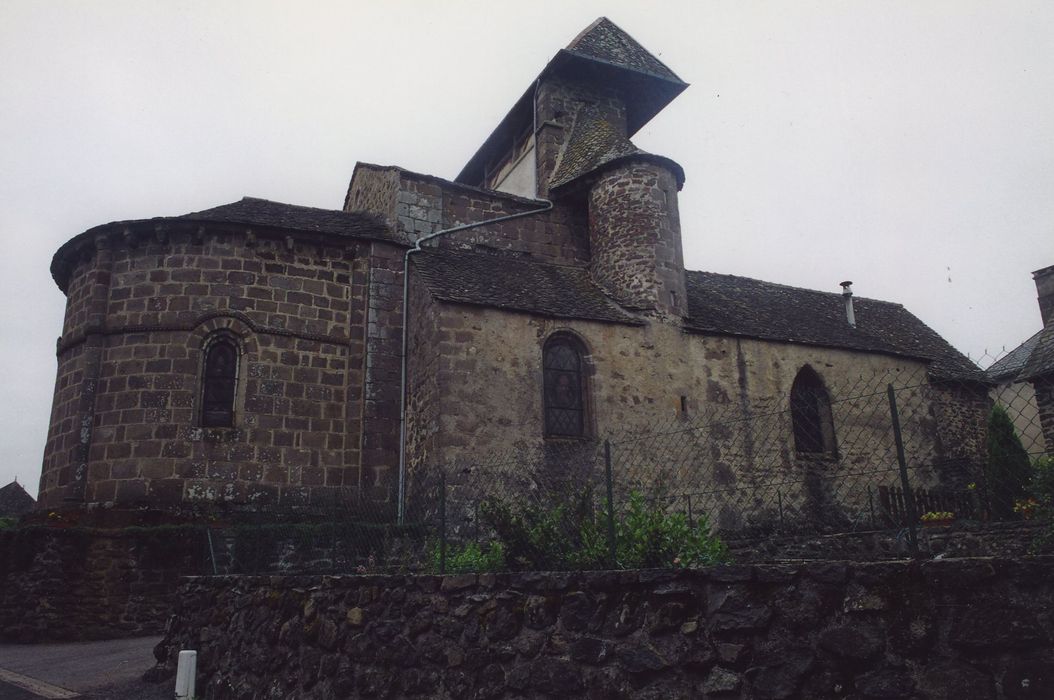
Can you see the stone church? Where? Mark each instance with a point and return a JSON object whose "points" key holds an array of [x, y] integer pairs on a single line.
{"points": [[274, 355]]}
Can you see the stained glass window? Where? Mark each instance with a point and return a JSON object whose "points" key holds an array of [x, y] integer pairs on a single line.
{"points": [[564, 405], [218, 383]]}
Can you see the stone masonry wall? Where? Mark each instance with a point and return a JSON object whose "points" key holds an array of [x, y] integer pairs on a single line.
{"points": [[557, 104], [423, 205], [1044, 387], [305, 310], [955, 629], [736, 391], [72, 585]]}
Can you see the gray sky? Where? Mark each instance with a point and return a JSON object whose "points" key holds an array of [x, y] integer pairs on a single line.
{"points": [[906, 145]]}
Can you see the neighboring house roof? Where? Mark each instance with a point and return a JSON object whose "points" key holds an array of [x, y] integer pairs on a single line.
{"points": [[14, 500], [1041, 361], [595, 143], [1014, 361], [506, 282], [741, 306], [249, 211], [1029, 360]]}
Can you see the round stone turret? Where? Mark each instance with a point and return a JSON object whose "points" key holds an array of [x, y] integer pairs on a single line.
{"points": [[635, 235]]}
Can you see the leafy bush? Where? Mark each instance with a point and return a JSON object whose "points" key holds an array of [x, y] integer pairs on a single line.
{"points": [[1008, 470], [571, 536], [470, 558], [647, 537]]}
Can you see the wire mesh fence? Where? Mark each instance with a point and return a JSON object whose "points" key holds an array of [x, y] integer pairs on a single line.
{"points": [[886, 451]]}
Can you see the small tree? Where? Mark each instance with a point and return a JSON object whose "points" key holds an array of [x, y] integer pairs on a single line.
{"points": [[1008, 470]]}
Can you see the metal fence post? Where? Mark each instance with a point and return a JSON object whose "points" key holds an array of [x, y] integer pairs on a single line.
{"points": [[609, 477], [442, 522], [909, 498]]}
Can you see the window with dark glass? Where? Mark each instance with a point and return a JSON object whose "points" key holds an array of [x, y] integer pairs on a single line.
{"points": [[564, 401], [218, 383], [811, 415]]}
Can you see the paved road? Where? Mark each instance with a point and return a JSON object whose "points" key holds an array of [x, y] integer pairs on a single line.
{"points": [[108, 670]]}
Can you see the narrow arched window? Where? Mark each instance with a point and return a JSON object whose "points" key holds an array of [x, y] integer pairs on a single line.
{"points": [[565, 409], [811, 415], [218, 382]]}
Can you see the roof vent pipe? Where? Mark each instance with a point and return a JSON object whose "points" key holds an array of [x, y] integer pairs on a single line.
{"points": [[847, 294]]}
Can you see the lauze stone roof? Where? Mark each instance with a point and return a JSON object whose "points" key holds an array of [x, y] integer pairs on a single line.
{"points": [[505, 282], [717, 304], [741, 306], [263, 212], [604, 41], [595, 143]]}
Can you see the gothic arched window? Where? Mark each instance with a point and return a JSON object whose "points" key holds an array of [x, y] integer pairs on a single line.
{"points": [[218, 382], [811, 415], [565, 406]]}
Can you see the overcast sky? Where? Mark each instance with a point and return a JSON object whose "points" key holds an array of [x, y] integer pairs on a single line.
{"points": [[907, 146]]}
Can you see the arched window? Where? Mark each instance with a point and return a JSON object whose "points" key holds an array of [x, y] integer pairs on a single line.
{"points": [[565, 407], [811, 415], [218, 382]]}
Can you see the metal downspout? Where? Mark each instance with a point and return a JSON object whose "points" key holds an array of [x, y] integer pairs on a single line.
{"points": [[406, 327]]}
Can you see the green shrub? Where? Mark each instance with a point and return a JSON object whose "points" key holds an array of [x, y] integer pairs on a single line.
{"points": [[470, 558], [571, 536], [647, 537], [8, 523], [1008, 470]]}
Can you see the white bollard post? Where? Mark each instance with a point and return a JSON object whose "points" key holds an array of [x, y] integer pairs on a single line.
{"points": [[186, 670]]}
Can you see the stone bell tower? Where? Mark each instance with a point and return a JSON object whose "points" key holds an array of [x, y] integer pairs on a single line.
{"points": [[568, 139]]}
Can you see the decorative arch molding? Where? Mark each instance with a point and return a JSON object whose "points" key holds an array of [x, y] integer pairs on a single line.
{"points": [[233, 323]]}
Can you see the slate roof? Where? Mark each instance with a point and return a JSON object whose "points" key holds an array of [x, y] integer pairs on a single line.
{"points": [[263, 212], [505, 282], [741, 306], [604, 41], [1014, 361], [594, 143], [14, 500], [1033, 358]]}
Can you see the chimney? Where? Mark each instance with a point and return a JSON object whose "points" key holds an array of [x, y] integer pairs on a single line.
{"points": [[847, 294], [1045, 291]]}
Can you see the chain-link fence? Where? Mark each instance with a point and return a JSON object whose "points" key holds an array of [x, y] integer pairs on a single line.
{"points": [[885, 452]]}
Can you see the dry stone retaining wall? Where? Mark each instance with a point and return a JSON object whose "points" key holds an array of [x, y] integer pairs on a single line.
{"points": [[968, 628]]}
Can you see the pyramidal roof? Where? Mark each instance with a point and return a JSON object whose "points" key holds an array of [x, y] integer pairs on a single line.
{"points": [[603, 40]]}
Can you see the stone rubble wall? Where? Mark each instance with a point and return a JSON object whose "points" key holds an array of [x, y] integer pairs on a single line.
{"points": [[73, 585], [955, 628]]}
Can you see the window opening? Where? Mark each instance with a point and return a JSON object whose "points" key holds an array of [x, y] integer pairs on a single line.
{"points": [[564, 404], [811, 414], [218, 383]]}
